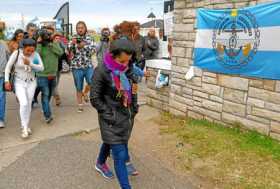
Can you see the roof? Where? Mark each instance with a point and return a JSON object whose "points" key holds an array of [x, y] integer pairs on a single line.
{"points": [[151, 15], [155, 23]]}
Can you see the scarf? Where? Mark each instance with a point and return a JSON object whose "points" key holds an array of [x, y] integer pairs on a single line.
{"points": [[119, 79]]}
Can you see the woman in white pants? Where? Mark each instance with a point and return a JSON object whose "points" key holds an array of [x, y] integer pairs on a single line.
{"points": [[26, 62]]}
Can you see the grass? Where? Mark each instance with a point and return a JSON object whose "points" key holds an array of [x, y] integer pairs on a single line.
{"points": [[228, 157]]}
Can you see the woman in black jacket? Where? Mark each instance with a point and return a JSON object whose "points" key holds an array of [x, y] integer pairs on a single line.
{"points": [[112, 96]]}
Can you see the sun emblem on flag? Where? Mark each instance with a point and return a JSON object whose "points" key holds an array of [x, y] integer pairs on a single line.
{"points": [[236, 38]]}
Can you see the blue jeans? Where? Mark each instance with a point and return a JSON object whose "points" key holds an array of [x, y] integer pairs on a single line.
{"points": [[2, 100], [80, 75], [47, 88], [120, 156]]}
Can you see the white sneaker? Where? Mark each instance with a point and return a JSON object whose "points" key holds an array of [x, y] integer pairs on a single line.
{"points": [[29, 131], [24, 133], [81, 108], [2, 124]]}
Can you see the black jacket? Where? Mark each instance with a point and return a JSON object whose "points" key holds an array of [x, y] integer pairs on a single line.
{"points": [[115, 120]]}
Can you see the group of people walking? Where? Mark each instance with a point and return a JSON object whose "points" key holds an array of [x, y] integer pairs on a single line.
{"points": [[31, 64], [34, 57]]}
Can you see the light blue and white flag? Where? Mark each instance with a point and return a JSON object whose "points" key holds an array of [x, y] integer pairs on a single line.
{"points": [[240, 41]]}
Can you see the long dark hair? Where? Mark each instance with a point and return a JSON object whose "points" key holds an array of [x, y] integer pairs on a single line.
{"points": [[18, 31], [82, 23]]}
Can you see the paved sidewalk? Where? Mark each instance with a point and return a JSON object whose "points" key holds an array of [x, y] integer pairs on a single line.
{"points": [[66, 121], [55, 158]]}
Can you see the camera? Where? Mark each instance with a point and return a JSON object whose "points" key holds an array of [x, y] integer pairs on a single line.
{"points": [[105, 35], [79, 39], [45, 36]]}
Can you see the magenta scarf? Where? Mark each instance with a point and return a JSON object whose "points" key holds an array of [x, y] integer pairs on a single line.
{"points": [[119, 79]]}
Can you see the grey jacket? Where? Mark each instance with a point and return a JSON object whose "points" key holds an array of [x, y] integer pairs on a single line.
{"points": [[151, 48], [4, 57], [140, 48], [101, 49]]}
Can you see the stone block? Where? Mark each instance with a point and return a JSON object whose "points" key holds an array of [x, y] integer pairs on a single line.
{"points": [[187, 91], [277, 86], [275, 127], [211, 80], [180, 99], [194, 115], [234, 108], [211, 105], [275, 136], [176, 112], [256, 83], [264, 95], [177, 105], [234, 95], [211, 89], [234, 82], [180, 36], [189, 13], [269, 85], [259, 119], [198, 99], [254, 125], [216, 99], [272, 106], [210, 74], [196, 81], [208, 113], [179, 52], [183, 27], [200, 94], [176, 89], [197, 72], [255, 102], [266, 114], [179, 4]]}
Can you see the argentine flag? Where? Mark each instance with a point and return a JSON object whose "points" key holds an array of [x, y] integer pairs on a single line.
{"points": [[243, 41]]}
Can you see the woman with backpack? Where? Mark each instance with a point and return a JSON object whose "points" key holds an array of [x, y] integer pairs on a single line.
{"points": [[22, 66]]}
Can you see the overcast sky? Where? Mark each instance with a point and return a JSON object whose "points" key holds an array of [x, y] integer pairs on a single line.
{"points": [[96, 13]]}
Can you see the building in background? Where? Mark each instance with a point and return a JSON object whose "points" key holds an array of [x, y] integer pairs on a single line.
{"points": [[156, 24]]}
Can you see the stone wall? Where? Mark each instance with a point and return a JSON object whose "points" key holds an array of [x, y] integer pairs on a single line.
{"points": [[255, 103], [158, 98]]}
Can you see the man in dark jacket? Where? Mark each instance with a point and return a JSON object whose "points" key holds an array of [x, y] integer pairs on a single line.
{"points": [[103, 45], [139, 42], [112, 96], [151, 45]]}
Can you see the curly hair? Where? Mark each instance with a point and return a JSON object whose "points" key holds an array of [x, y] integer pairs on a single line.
{"points": [[125, 29]]}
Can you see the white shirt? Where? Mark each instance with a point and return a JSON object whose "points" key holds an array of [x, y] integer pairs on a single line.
{"points": [[22, 71]]}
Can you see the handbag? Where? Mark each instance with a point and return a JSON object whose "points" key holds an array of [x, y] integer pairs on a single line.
{"points": [[12, 75]]}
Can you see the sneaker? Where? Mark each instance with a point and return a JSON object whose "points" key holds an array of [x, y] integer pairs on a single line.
{"points": [[24, 133], [80, 109], [2, 124], [86, 98], [57, 100], [104, 170], [35, 104], [49, 120], [131, 170], [29, 131]]}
